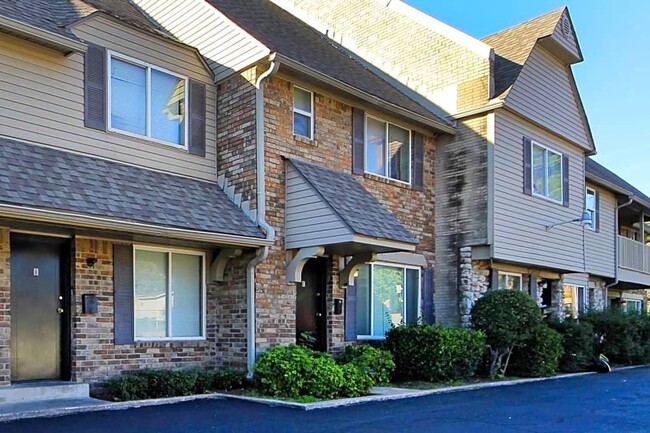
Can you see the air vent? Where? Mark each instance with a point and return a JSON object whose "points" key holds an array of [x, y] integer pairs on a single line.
{"points": [[566, 26]]}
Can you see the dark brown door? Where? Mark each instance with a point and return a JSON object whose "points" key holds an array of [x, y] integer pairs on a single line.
{"points": [[37, 307], [311, 317]]}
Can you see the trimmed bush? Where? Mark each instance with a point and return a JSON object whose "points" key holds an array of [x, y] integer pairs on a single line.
{"points": [[578, 344], [539, 355], [434, 353], [377, 363], [219, 380], [622, 337], [126, 388], [295, 372], [507, 318]]}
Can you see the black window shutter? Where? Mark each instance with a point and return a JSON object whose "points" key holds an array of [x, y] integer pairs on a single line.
{"points": [[351, 313], [95, 87], [494, 279], [428, 313], [565, 180], [358, 132], [532, 286], [528, 172], [123, 293], [597, 213], [417, 162], [197, 116]]}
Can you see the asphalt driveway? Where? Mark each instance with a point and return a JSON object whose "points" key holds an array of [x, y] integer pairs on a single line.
{"points": [[616, 402]]}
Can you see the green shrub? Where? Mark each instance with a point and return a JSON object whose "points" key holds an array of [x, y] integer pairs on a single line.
{"points": [[296, 372], [168, 383], [506, 317], [126, 388], [540, 353], [622, 337], [219, 380], [578, 344], [434, 353], [377, 363]]}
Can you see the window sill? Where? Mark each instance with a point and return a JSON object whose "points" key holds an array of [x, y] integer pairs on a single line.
{"points": [[304, 140], [170, 343], [388, 181], [550, 200], [369, 338]]}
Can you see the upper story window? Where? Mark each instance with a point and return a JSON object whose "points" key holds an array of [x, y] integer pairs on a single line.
{"points": [[387, 150], [147, 101], [547, 173], [303, 113], [510, 281], [387, 296], [591, 204]]}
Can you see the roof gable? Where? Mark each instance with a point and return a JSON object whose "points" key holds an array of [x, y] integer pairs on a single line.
{"points": [[608, 178]]}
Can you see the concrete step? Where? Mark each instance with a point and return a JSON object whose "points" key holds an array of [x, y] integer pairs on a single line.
{"points": [[43, 390]]}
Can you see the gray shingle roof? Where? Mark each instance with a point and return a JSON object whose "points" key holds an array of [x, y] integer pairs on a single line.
{"points": [[599, 172], [287, 35], [52, 179], [357, 207]]}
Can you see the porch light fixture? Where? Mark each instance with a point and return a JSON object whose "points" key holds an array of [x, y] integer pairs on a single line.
{"points": [[584, 220]]}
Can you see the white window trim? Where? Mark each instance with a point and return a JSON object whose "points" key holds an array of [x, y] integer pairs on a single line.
{"points": [[546, 165], [169, 252], [386, 175], [111, 55], [372, 308], [513, 274], [577, 298], [304, 113], [635, 301], [592, 226]]}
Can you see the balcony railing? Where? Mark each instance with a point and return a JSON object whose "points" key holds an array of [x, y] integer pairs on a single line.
{"points": [[633, 255]]}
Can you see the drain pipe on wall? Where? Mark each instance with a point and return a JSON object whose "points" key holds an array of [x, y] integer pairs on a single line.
{"points": [[262, 253], [615, 282]]}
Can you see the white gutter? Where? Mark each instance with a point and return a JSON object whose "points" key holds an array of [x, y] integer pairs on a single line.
{"points": [[102, 223], [615, 282], [262, 254], [61, 43]]}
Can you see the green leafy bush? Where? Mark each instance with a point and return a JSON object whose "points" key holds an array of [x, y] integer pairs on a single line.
{"points": [[540, 353], [434, 353], [377, 363], [578, 344], [146, 384], [623, 337], [507, 318], [296, 371]]}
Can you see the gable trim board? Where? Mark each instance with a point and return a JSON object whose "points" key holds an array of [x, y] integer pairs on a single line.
{"points": [[41, 36]]}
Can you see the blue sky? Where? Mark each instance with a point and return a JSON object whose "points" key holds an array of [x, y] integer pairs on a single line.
{"points": [[613, 80]]}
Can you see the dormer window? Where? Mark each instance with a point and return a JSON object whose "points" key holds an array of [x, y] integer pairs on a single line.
{"points": [[146, 101]]}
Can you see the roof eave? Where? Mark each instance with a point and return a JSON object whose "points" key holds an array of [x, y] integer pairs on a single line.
{"points": [[114, 224], [44, 37], [437, 125], [606, 184]]}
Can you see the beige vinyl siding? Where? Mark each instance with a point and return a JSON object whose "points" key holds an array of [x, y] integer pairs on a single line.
{"points": [[576, 280], [42, 95], [309, 220], [226, 46], [600, 245], [569, 42], [544, 93], [520, 220]]}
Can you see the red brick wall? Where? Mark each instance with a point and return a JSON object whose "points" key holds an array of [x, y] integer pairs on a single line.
{"points": [[5, 310], [276, 301]]}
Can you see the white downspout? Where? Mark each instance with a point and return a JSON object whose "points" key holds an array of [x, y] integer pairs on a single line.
{"points": [[262, 253], [615, 282]]}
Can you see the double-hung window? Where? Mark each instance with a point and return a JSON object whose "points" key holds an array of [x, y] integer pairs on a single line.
{"points": [[387, 295], [591, 206], [575, 300], [510, 281], [546, 173], [388, 150], [169, 294], [147, 101], [633, 305], [303, 113]]}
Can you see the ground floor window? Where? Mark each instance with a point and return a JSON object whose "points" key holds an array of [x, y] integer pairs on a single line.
{"points": [[169, 294], [510, 281], [575, 300], [387, 295], [633, 305]]}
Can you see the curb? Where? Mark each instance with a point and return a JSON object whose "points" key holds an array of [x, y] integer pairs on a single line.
{"points": [[330, 404]]}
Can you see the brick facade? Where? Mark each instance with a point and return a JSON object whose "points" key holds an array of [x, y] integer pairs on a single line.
{"points": [[5, 309]]}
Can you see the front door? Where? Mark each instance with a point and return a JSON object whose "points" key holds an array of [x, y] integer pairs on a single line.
{"points": [[37, 306], [311, 317]]}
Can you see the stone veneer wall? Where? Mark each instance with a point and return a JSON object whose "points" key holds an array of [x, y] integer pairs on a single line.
{"points": [[332, 148], [5, 309], [474, 282], [96, 358], [597, 294]]}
